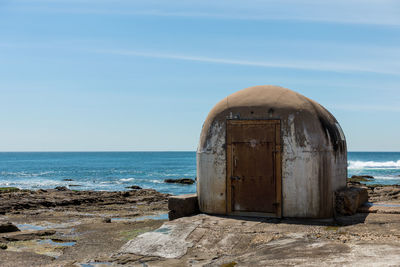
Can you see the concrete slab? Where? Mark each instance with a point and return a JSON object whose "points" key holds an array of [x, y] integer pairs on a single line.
{"points": [[169, 241], [182, 205], [367, 239]]}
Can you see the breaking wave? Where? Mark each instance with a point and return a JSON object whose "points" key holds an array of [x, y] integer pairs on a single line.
{"points": [[126, 179], [357, 165]]}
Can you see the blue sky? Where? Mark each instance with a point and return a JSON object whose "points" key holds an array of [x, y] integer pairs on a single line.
{"points": [[95, 75]]}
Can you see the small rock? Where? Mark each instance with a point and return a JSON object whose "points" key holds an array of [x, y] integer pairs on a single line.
{"points": [[180, 181], [74, 185], [3, 246], [61, 188], [68, 180], [107, 220], [8, 227], [360, 178], [134, 187]]}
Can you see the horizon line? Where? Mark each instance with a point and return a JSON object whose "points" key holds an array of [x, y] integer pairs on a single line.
{"points": [[158, 151]]}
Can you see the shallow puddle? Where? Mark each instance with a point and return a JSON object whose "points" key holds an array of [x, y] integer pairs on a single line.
{"points": [[55, 242], [26, 226], [95, 264], [46, 225], [163, 216], [370, 204], [164, 230]]}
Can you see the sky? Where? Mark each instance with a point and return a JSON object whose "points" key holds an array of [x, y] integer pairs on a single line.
{"points": [[127, 75]]}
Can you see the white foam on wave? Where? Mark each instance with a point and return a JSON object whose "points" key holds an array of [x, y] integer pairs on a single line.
{"points": [[26, 173], [374, 164], [386, 178], [37, 183], [126, 179]]}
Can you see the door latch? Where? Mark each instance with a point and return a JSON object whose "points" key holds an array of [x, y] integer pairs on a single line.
{"points": [[237, 178]]}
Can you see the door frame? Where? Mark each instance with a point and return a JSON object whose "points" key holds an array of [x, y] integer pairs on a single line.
{"points": [[277, 171]]}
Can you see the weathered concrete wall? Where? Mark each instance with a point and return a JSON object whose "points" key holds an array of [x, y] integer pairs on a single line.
{"points": [[211, 163], [314, 155]]}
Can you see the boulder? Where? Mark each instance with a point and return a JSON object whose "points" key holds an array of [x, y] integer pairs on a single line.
{"points": [[68, 180], [348, 200], [8, 227], [182, 206], [179, 181]]}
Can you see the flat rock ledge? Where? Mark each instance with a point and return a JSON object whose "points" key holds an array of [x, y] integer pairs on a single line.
{"points": [[62, 197]]}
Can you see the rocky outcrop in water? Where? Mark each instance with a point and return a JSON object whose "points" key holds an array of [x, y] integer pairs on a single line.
{"points": [[180, 181], [134, 187]]}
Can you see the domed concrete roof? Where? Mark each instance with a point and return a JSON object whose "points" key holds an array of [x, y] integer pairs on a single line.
{"points": [[269, 102]]}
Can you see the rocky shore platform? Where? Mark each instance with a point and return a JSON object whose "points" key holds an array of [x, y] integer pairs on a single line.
{"points": [[61, 227]]}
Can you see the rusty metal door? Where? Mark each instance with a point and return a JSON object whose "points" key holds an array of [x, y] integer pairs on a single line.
{"points": [[253, 163]]}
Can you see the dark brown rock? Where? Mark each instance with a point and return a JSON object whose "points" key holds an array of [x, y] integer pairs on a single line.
{"points": [[61, 188], [134, 187], [360, 178], [348, 200], [180, 181], [8, 227], [363, 176]]}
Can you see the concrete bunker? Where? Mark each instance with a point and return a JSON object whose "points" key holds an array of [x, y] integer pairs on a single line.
{"points": [[269, 151]]}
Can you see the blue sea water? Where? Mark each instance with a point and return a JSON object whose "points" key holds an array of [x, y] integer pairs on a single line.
{"points": [[117, 170], [383, 166], [98, 170]]}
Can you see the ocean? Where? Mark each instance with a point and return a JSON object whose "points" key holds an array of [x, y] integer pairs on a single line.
{"points": [[117, 170]]}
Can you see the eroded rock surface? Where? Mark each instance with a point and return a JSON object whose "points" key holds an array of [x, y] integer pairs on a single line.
{"points": [[119, 229], [66, 228], [62, 197]]}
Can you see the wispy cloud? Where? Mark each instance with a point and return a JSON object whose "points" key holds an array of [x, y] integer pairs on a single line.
{"points": [[365, 108], [299, 65], [381, 60], [378, 12]]}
